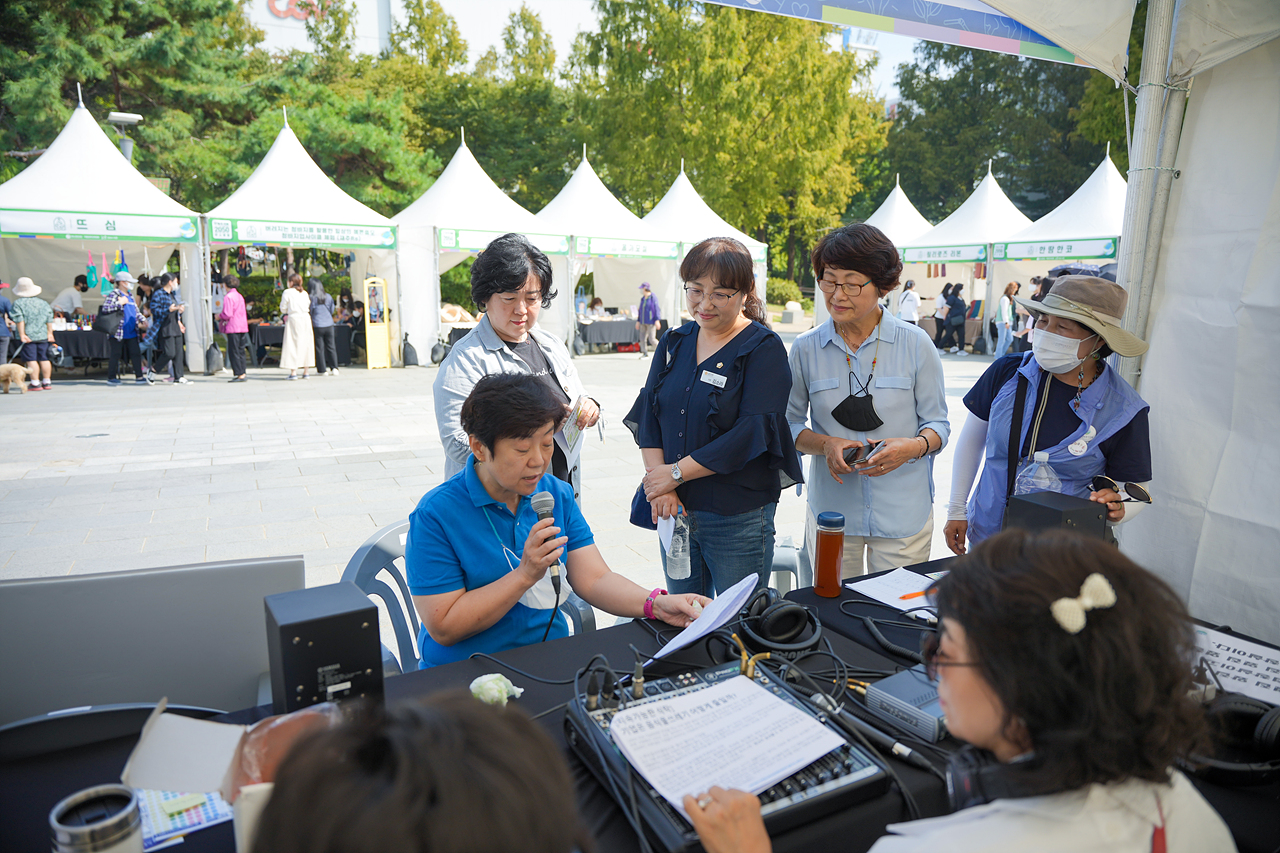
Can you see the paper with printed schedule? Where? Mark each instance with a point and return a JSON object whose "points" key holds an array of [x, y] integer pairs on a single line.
{"points": [[1241, 666], [569, 437], [891, 587], [735, 734]]}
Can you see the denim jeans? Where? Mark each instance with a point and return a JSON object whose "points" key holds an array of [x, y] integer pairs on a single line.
{"points": [[724, 549], [1004, 339]]}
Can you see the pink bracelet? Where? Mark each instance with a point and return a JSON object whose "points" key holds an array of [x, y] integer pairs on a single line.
{"points": [[648, 602]]}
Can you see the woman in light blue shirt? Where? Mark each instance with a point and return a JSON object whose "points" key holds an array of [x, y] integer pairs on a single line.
{"points": [[863, 377]]}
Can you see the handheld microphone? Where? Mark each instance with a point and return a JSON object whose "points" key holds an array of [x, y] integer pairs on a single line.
{"points": [[544, 504]]}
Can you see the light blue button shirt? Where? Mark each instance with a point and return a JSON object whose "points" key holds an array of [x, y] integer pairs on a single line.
{"points": [[909, 393]]}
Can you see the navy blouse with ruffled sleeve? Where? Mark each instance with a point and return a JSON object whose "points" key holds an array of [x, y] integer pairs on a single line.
{"points": [[739, 431]]}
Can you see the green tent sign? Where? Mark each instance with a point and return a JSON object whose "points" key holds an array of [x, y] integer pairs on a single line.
{"points": [[469, 240], [302, 234], [1058, 250], [88, 225], [945, 254]]}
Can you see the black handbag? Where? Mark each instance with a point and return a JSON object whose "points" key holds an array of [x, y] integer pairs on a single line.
{"points": [[107, 323], [955, 319]]}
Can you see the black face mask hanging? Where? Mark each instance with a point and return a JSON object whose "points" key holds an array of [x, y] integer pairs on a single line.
{"points": [[857, 412]]}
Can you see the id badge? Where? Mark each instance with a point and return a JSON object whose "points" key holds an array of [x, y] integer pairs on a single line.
{"points": [[712, 379]]}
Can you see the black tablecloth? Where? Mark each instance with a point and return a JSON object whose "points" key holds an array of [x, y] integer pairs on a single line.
{"points": [[263, 335], [88, 344], [610, 332], [29, 788]]}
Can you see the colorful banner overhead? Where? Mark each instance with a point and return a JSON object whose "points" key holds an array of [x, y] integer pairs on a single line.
{"points": [[968, 23]]}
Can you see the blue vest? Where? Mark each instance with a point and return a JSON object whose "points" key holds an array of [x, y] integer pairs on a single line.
{"points": [[1107, 406]]}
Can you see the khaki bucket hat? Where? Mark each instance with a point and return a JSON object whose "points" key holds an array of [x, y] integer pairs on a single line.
{"points": [[1092, 302]]}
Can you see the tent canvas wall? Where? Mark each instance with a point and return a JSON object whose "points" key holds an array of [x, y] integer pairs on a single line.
{"points": [[290, 201], [454, 219], [80, 197]]}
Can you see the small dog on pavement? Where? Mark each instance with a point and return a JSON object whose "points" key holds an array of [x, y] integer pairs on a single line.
{"points": [[10, 373]]}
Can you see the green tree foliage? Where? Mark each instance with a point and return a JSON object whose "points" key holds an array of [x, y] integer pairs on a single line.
{"points": [[430, 36], [961, 107], [772, 125], [210, 98]]}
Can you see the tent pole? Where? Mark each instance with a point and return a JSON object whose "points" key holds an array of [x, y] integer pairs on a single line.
{"points": [[1138, 201], [1169, 141]]}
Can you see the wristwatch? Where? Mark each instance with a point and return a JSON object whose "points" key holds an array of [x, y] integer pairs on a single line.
{"points": [[675, 473]]}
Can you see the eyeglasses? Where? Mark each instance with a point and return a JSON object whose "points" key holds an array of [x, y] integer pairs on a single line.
{"points": [[930, 644], [850, 290], [695, 295], [1131, 492]]}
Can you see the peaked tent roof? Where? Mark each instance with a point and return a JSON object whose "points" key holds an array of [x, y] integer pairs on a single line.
{"points": [[683, 212], [82, 186], [987, 216], [290, 200], [585, 208], [1094, 211], [898, 218]]}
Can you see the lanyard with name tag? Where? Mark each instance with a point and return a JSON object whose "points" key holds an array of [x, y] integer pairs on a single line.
{"points": [[712, 378]]}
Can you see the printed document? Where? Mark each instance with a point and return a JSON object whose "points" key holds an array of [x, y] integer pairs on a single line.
{"points": [[718, 613]]}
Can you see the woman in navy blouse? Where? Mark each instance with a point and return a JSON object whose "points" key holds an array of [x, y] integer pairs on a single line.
{"points": [[711, 423]]}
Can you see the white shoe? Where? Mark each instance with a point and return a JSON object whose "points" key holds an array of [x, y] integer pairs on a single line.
{"points": [[183, 381], [333, 371], [954, 350], [962, 352]]}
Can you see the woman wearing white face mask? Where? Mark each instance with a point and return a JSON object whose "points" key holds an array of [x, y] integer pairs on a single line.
{"points": [[1074, 407]]}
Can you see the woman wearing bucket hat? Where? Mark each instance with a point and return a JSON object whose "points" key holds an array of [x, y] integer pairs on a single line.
{"points": [[1072, 406], [33, 317]]}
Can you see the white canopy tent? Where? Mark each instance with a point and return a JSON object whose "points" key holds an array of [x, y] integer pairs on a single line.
{"points": [[82, 198], [1084, 227], [622, 249], [457, 217], [966, 236], [898, 218], [683, 213], [290, 201]]}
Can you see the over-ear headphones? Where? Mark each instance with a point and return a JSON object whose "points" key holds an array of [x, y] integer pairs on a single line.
{"points": [[974, 777], [782, 628], [1246, 732]]}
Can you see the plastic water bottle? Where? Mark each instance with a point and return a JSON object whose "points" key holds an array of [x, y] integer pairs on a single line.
{"points": [[678, 553], [1037, 477]]}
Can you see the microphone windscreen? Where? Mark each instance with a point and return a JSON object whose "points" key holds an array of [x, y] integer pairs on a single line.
{"points": [[544, 504]]}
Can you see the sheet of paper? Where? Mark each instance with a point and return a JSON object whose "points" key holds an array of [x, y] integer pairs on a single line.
{"points": [[666, 528], [176, 753], [736, 735], [890, 588], [570, 435], [1242, 667], [723, 608], [161, 822]]}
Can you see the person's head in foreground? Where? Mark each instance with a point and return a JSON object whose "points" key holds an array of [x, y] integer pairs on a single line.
{"points": [[511, 282], [720, 285], [448, 774], [511, 421], [1070, 664], [855, 266]]}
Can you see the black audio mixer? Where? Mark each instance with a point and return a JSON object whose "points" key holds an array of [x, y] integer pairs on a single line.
{"points": [[841, 778]]}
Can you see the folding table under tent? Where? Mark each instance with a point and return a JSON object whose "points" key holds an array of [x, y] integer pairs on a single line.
{"points": [[683, 213], [966, 237], [289, 201], [622, 249], [1085, 227], [462, 212], [898, 218], [81, 198]]}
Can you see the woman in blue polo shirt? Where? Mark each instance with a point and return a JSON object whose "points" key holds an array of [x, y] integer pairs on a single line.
{"points": [[1075, 407], [477, 557]]}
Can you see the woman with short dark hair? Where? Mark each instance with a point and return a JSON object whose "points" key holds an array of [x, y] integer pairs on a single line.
{"points": [[1066, 668], [711, 423], [447, 774], [511, 283], [477, 557], [865, 377]]}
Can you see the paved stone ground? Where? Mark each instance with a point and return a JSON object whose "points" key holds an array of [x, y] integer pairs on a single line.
{"points": [[96, 478]]}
